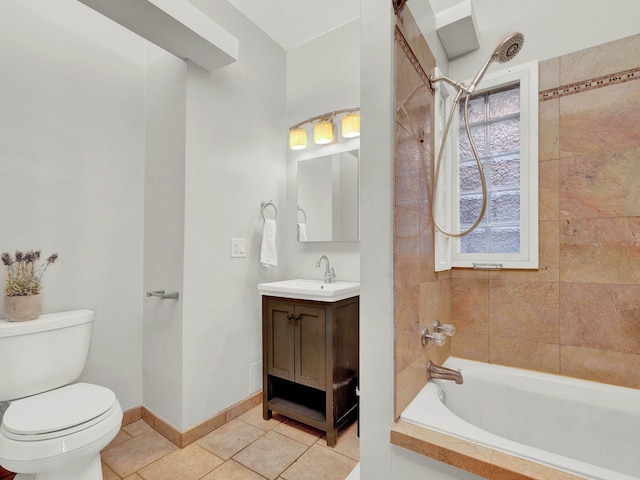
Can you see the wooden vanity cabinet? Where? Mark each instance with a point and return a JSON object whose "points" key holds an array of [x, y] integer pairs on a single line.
{"points": [[311, 361]]}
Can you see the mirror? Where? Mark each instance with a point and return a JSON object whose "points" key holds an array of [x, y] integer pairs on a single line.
{"points": [[328, 192]]}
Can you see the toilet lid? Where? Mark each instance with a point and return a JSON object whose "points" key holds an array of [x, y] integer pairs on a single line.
{"points": [[58, 409]]}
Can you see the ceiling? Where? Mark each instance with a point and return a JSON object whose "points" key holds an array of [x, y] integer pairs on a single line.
{"points": [[294, 22]]}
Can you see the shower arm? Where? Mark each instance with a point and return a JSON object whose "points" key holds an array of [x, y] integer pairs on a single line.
{"points": [[461, 87]]}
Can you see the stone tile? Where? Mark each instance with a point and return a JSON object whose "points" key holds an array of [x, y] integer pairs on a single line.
{"points": [[254, 417], [412, 169], [130, 456], [529, 354], [135, 476], [408, 382], [122, 436], [536, 318], [600, 366], [472, 346], [203, 429], [435, 302], [299, 432], [600, 251], [549, 74], [242, 407], [231, 470], [230, 438], [319, 463], [548, 190], [348, 442], [548, 130], [189, 463], [108, 474], [271, 454], [470, 304], [600, 185], [611, 57], [603, 317], [600, 120], [407, 327], [407, 249], [136, 428]]}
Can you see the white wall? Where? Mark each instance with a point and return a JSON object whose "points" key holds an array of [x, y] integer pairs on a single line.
{"points": [[323, 75], [71, 171], [550, 28], [235, 159], [165, 142], [376, 234]]}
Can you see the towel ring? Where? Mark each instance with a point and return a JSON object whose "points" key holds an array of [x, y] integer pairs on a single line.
{"points": [[304, 214], [264, 205]]}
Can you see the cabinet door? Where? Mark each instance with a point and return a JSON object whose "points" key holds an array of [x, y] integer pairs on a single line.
{"points": [[310, 347], [281, 340]]}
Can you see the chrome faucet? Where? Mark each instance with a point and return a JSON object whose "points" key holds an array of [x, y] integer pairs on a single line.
{"points": [[329, 274], [444, 373]]}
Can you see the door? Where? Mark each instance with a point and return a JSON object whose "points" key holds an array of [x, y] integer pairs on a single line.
{"points": [[280, 340], [310, 357]]}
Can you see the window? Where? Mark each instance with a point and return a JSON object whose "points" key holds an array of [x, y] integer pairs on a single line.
{"points": [[503, 118]]}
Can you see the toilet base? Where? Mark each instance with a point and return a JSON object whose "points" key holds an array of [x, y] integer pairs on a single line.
{"points": [[89, 469]]}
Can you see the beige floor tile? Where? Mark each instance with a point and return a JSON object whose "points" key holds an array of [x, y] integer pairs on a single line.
{"points": [[190, 463], [348, 442], [320, 463], [230, 438], [108, 474], [233, 471], [135, 476], [254, 417], [139, 451], [122, 436], [299, 431], [136, 428], [271, 454]]}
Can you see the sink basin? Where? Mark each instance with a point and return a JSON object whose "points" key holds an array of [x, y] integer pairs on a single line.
{"points": [[310, 290]]}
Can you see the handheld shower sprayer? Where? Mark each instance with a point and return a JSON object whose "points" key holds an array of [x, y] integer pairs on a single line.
{"points": [[504, 52]]}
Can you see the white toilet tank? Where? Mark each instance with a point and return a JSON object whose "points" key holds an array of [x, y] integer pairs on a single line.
{"points": [[42, 354]]}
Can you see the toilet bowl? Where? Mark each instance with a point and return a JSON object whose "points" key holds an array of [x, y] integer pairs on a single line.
{"points": [[56, 434]]}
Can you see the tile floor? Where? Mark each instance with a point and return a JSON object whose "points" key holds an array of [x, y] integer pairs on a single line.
{"points": [[247, 448]]}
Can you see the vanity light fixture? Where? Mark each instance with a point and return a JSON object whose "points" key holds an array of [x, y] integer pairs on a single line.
{"points": [[351, 125], [324, 131], [297, 138]]}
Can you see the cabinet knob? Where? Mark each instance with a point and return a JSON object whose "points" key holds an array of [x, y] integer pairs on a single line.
{"points": [[293, 317]]}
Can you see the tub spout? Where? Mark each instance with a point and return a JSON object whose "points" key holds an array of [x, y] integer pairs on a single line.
{"points": [[444, 373]]}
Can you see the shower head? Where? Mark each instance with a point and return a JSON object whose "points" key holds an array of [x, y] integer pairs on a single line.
{"points": [[509, 48], [505, 51]]}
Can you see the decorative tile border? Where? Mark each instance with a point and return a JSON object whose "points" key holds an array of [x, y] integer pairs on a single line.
{"points": [[586, 85], [399, 37]]}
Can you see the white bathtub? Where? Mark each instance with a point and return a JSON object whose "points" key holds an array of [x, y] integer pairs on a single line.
{"points": [[588, 429]]}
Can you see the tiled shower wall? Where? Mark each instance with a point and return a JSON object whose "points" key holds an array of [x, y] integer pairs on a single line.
{"points": [[579, 314], [421, 294]]}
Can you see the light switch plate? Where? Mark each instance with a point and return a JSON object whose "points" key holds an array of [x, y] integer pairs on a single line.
{"points": [[238, 248]]}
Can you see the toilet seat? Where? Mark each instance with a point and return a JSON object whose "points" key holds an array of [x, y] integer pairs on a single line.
{"points": [[58, 412]]}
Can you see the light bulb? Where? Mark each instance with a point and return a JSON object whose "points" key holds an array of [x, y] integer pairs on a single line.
{"points": [[351, 125], [297, 138]]}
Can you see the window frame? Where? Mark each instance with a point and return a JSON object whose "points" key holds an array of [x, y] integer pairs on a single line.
{"points": [[448, 253]]}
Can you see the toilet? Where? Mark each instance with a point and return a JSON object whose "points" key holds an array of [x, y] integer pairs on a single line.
{"points": [[52, 429]]}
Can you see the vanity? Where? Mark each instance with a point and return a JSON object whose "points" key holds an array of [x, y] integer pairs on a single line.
{"points": [[310, 332]]}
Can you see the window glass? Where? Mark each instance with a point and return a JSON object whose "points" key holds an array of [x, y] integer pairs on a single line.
{"points": [[494, 118]]}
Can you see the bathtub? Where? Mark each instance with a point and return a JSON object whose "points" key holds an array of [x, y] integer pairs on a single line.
{"points": [[586, 429]]}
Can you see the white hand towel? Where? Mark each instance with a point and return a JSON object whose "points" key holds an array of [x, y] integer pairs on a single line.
{"points": [[302, 232], [268, 252]]}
